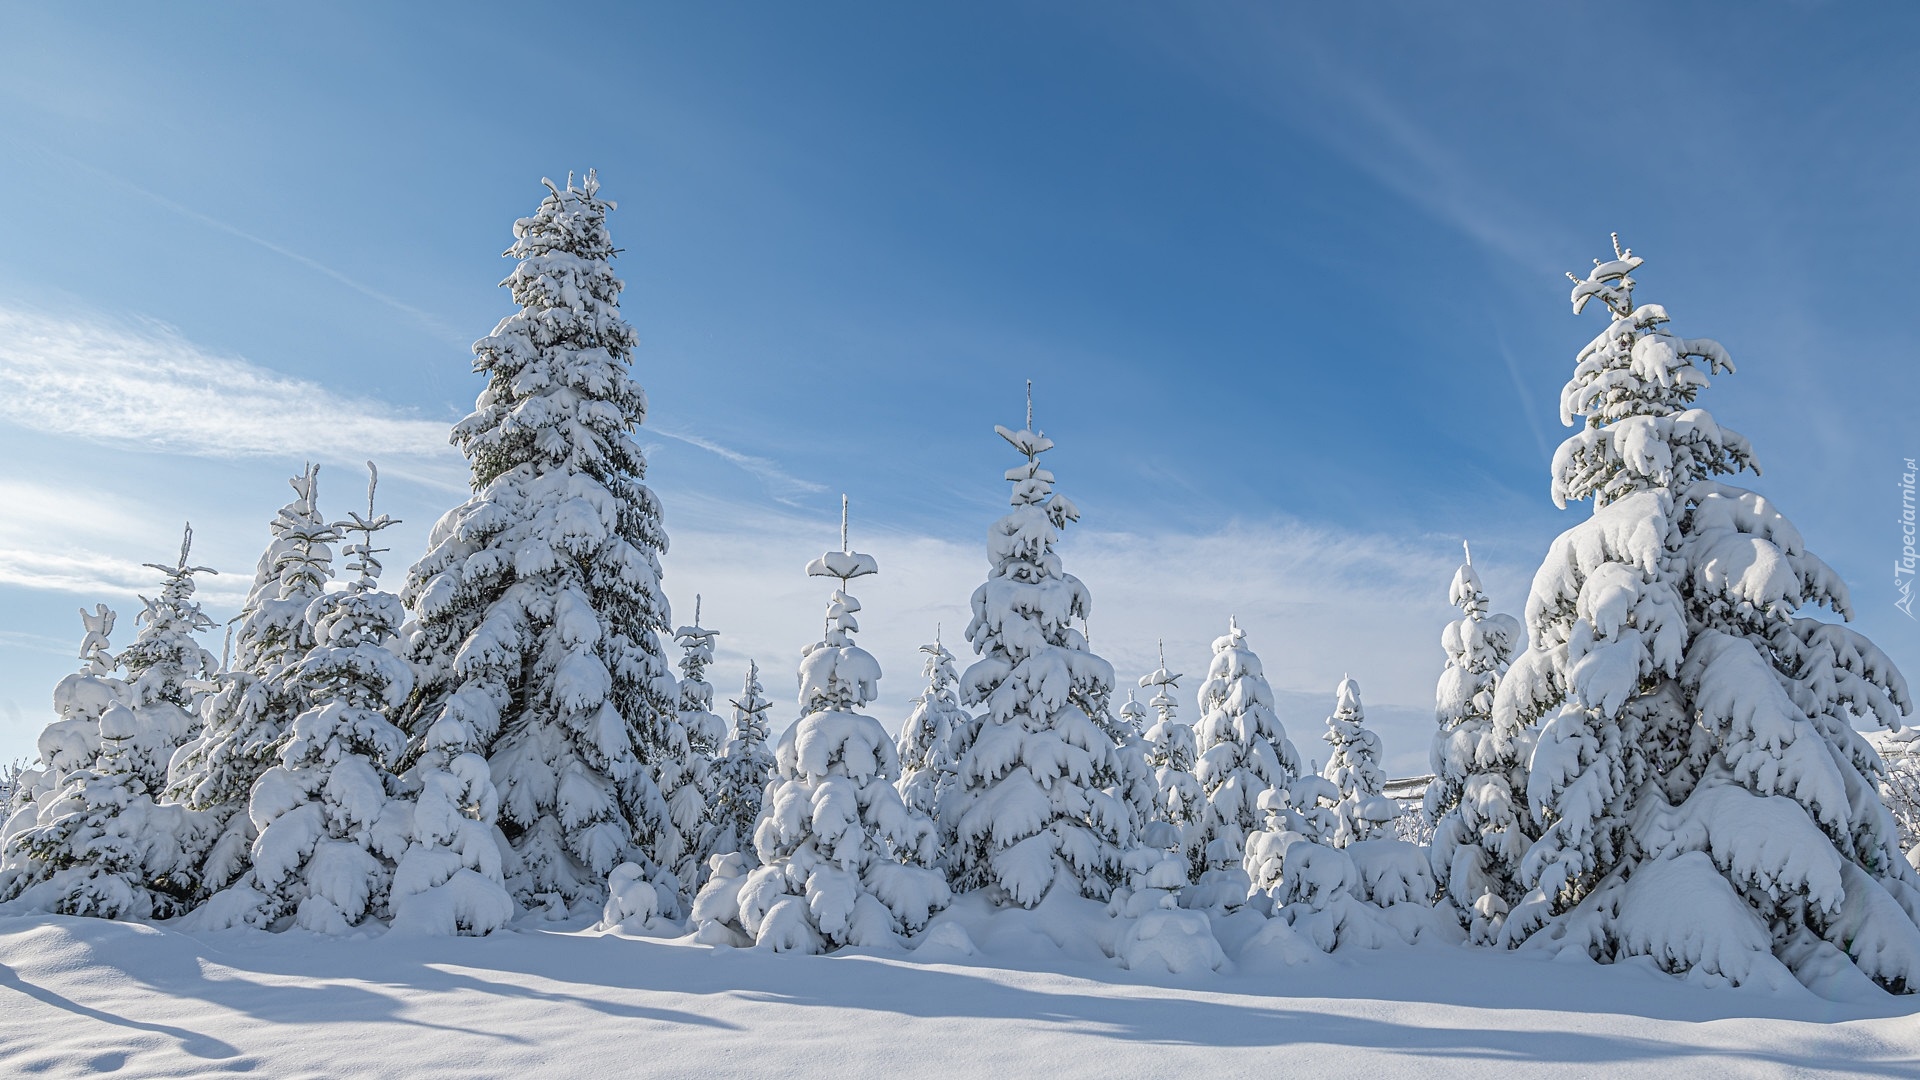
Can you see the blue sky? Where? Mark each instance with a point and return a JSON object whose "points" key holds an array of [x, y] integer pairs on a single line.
{"points": [[1287, 279]]}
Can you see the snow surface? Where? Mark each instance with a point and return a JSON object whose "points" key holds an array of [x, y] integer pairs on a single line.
{"points": [[82, 996]]}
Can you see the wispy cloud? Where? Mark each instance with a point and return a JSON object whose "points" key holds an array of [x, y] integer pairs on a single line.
{"points": [[780, 484], [1455, 188], [59, 539], [142, 384]]}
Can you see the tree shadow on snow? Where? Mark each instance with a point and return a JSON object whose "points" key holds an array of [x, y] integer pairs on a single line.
{"points": [[1426, 1004], [196, 1043]]}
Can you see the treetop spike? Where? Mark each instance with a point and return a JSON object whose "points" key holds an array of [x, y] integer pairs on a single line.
{"points": [[696, 609], [843, 523], [1469, 552], [1029, 404], [373, 481], [1618, 253]]}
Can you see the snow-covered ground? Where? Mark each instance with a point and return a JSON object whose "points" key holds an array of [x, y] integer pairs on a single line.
{"points": [[84, 996]]}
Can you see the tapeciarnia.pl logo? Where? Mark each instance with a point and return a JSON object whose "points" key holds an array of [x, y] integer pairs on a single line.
{"points": [[1903, 567]]}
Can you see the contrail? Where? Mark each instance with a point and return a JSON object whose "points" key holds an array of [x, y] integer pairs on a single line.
{"points": [[426, 319]]}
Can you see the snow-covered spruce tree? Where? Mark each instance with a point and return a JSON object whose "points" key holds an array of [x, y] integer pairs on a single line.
{"points": [[740, 776], [1703, 797], [245, 719], [329, 818], [1133, 714], [66, 746], [168, 673], [72, 741], [1477, 799], [103, 845], [538, 608], [1354, 769], [925, 746], [1175, 751], [1900, 786], [690, 803], [1244, 753], [1135, 783], [1031, 807], [844, 861], [11, 775]]}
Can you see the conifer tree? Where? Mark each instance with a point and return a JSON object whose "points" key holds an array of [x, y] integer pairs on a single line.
{"points": [[1032, 808], [844, 861], [1133, 715], [168, 672], [740, 776], [927, 765], [247, 715], [329, 817], [1244, 753], [689, 793], [538, 607], [103, 845], [1477, 799], [1174, 755], [72, 741], [1354, 770], [1702, 796]]}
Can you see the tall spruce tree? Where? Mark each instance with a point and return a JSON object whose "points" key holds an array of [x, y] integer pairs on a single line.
{"points": [[247, 716], [539, 611], [1703, 798], [1477, 799], [330, 817], [1032, 808]]}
